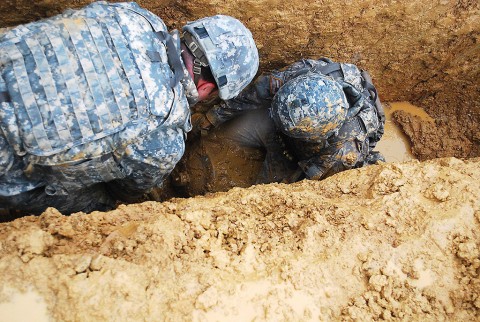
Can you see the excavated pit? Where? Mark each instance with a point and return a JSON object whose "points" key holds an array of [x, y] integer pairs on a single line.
{"points": [[393, 241]]}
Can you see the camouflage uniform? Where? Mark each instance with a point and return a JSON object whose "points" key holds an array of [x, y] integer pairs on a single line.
{"points": [[349, 146], [88, 97]]}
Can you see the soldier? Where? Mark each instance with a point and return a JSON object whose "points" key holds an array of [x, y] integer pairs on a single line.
{"points": [[95, 102], [310, 120]]}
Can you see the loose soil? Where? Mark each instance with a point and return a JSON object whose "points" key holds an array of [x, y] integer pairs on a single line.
{"points": [[391, 241]]}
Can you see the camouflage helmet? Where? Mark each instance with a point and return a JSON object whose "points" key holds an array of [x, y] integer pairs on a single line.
{"points": [[310, 107], [229, 49]]}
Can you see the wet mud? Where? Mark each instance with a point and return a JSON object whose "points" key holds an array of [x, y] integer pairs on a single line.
{"points": [[397, 241], [395, 145], [437, 139], [212, 164]]}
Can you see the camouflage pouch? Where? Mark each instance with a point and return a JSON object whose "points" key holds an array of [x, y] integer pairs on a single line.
{"points": [[75, 176]]}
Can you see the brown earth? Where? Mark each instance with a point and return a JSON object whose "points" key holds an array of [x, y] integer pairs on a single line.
{"points": [[433, 139], [393, 241]]}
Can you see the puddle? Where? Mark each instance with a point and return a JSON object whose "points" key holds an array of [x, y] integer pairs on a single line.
{"points": [[395, 145], [28, 306]]}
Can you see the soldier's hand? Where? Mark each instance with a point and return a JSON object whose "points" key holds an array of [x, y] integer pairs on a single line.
{"points": [[200, 123]]}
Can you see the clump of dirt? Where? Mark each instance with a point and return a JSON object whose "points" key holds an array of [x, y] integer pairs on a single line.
{"points": [[386, 241], [437, 139]]}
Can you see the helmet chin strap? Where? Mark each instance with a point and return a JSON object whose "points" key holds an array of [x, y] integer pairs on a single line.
{"points": [[200, 58], [197, 70]]}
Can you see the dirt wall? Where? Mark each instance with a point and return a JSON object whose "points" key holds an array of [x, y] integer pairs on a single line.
{"points": [[423, 52]]}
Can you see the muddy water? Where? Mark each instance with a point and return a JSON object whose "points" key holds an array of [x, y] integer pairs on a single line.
{"points": [[213, 164], [394, 144], [14, 309]]}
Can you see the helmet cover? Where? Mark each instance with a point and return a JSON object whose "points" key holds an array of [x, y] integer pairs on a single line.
{"points": [[311, 107], [230, 50]]}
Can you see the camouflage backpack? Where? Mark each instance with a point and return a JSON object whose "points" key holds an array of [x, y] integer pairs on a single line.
{"points": [[86, 83]]}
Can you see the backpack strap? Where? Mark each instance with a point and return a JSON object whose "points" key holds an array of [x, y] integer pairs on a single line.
{"points": [[329, 68], [372, 92], [173, 56], [369, 89], [172, 51]]}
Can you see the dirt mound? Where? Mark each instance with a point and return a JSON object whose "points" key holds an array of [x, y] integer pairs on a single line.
{"points": [[389, 241]]}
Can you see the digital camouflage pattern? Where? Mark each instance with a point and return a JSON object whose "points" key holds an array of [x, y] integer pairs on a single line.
{"points": [[355, 138], [230, 50], [310, 107], [88, 103]]}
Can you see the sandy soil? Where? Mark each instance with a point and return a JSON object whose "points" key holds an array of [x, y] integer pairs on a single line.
{"points": [[395, 241], [392, 241]]}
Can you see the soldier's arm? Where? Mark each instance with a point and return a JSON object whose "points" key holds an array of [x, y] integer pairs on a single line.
{"points": [[147, 163], [346, 150], [333, 161], [256, 96]]}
